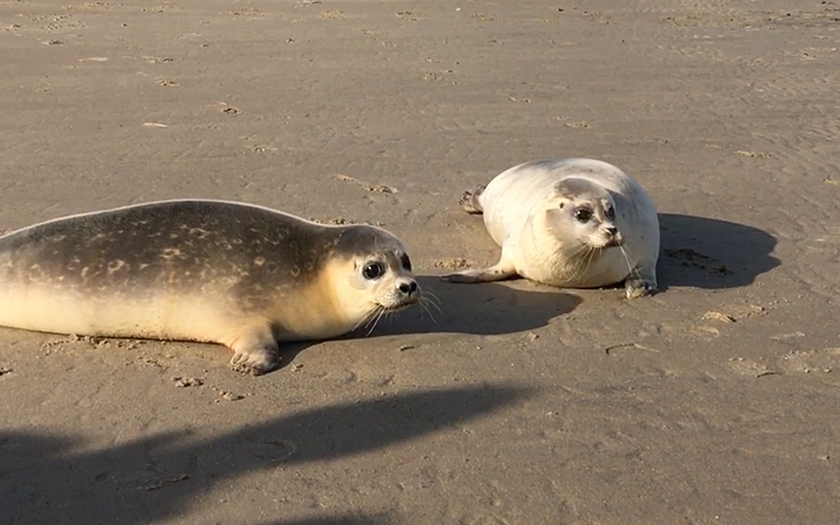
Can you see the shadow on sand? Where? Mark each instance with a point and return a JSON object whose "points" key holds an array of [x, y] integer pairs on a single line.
{"points": [[43, 479], [478, 309], [481, 309], [344, 519], [712, 254]]}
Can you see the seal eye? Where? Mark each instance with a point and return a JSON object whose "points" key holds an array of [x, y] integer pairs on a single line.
{"points": [[406, 262], [610, 213], [583, 215], [373, 271]]}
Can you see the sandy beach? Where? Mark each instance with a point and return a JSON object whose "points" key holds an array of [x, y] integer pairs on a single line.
{"points": [[716, 401]]}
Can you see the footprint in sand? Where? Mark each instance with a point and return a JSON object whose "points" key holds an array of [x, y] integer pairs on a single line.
{"points": [[823, 360], [748, 367], [377, 188]]}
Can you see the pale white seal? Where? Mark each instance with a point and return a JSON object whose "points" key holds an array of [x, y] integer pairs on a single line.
{"points": [[576, 223], [237, 274]]}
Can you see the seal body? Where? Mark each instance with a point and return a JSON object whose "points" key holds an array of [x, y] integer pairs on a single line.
{"points": [[577, 223], [237, 274]]}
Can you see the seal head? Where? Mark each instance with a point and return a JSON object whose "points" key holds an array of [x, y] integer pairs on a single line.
{"points": [[585, 211], [371, 273]]}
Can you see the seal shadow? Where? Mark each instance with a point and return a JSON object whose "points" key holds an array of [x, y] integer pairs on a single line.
{"points": [[711, 254], [49, 478], [380, 518], [478, 309], [494, 308]]}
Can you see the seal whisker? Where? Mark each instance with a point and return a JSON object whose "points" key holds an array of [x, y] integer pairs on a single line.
{"points": [[583, 257], [366, 319], [433, 300], [593, 252], [574, 261], [368, 325], [390, 315], [571, 260], [431, 294], [380, 312], [426, 308], [627, 259], [589, 257], [373, 316]]}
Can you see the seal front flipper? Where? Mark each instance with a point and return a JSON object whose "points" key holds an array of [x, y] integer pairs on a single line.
{"points": [[641, 282], [255, 352], [498, 272]]}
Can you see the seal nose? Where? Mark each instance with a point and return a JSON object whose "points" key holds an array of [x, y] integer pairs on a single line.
{"points": [[408, 288], [612, 231]]}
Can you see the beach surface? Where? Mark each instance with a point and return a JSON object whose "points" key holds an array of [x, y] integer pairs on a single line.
{"points": [[717, 401]]}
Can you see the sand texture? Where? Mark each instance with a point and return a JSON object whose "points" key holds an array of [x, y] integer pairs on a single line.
{"points": [[715, 402]]}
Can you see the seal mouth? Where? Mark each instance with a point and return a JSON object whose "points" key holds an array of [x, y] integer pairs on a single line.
{"points": [[614, 242], [380, 310], [609, 243], [402, 305]]}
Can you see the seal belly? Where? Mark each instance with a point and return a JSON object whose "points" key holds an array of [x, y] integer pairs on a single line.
{"points": [[67, 311]]}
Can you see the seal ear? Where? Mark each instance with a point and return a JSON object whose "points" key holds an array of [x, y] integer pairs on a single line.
{"points": [[557, 204]]}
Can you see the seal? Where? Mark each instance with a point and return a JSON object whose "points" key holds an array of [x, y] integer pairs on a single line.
{"points": [[575, 223], [241, 275]]}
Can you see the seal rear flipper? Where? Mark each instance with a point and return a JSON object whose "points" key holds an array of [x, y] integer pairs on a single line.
{"points": [[469, 201], [255, 353]]}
